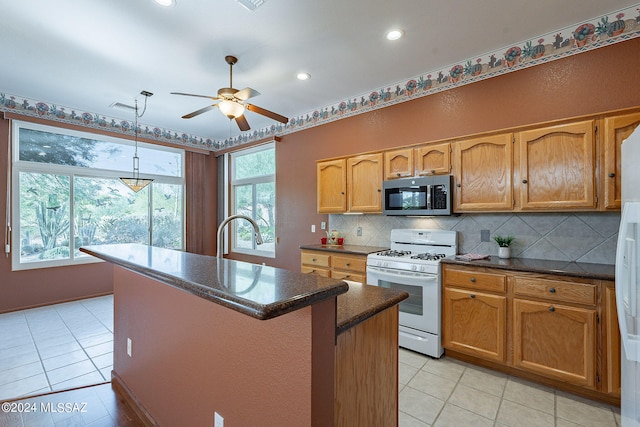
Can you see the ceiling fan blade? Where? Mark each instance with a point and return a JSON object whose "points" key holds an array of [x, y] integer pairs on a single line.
{"points": [[270, 114], [200, 111], [246, 93], [242, 123], [192, 94]]}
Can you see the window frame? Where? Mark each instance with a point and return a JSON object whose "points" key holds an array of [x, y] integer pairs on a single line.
{"points": [[253, 181], [19, 166]]}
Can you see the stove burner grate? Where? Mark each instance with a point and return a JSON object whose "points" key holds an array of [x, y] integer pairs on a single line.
{"points": [[394, 253], [428, 256]]}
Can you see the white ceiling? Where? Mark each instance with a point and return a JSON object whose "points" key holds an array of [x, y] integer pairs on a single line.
{"points": [[90, 54]]}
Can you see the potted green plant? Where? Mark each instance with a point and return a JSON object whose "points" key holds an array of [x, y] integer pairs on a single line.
{"points": [[504, 251]]}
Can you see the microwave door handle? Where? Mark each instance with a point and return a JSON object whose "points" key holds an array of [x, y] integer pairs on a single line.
{"points": [[428, 196]]}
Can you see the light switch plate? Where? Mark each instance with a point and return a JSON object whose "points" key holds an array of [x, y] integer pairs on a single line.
{"points": [[218, 421], [484, 236]]}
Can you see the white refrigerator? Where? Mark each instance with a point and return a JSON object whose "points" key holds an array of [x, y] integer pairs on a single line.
{"points": [[628, 280]]}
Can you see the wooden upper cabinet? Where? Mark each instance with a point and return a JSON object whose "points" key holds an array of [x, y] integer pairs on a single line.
{"points": [[482, 173], [557, 167], [398, 163], [332, 186], [364, 182], [433, 159], [616, 130]]}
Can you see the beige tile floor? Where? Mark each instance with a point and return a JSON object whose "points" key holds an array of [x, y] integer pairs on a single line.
{"points": [[71, 344], [56, 347], [446, 392]]}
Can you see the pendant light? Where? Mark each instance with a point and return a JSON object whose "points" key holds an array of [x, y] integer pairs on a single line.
{"points": [[135, 182]]}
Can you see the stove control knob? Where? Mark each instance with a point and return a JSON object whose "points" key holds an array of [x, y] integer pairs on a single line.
{"points": [[422, 268], [414, 267]]}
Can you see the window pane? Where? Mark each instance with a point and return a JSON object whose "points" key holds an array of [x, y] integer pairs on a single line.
{"points": [[44, 217], [243, 230], [106, 211], [258, 163], [167, 216], [53, 148], [266, 215]]}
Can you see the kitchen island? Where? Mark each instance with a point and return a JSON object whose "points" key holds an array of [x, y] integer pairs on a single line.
{"points": [[194, 335]]}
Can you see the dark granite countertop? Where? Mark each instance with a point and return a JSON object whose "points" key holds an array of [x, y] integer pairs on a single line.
{"points": [[345, 249], [562, 268], [362, 302], [258, 291]]}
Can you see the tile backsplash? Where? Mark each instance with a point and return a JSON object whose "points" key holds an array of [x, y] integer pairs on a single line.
{"points": [[584, 236]]}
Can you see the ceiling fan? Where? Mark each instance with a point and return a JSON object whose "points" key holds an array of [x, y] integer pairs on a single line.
{"points": [[231, 102]]}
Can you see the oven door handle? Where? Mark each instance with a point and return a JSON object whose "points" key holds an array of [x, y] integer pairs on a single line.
{"points": [[401, 273]]}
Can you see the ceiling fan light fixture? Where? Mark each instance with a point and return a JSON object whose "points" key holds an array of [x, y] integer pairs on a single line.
{"points": [[231, 109]]}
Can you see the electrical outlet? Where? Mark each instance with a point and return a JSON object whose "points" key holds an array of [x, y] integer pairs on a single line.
{"points": [[313, 228], [359, 231], [218, 421], [129, 347], [484, 236]]}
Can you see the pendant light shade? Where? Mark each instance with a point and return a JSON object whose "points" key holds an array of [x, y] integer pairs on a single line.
{"points": [[134, 182]]}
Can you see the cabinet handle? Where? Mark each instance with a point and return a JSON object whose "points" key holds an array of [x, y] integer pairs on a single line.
{"points": [[347, 276], [348, 264], [551, 309], [313, 260], [313, 271], [433, 171], [612, 175], [342, 192], [398, 174], [379, 190], [524, 181], [472, 295], [552, 290], [473, 280], [458, 185]]}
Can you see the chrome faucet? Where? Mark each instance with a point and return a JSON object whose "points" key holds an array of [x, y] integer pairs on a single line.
{"points": [[258, 236]]}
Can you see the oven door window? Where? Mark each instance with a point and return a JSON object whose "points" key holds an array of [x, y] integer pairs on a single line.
{"points": [[412, 305]]}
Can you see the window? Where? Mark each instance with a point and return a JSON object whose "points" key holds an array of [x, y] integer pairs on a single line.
{"points": [[253, 193], [66, 194]]}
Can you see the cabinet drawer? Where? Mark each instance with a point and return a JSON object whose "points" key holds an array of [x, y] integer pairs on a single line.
{"points": [[475, 280], [349, 263], [555, 290], [348, 275], [319, 271], [320, 260]]}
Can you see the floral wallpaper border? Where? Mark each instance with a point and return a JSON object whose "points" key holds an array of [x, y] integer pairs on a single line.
{"points": [[599, 32]]}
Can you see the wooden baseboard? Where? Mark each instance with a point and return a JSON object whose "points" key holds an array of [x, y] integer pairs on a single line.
{"points": [[560, 385], [123, 393]]}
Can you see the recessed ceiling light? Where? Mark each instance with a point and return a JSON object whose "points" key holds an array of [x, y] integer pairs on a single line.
{"points": [[303, 76], [166, 3], [395, 34]]}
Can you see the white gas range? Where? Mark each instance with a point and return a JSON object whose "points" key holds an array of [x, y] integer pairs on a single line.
{"points": [[413, 265]]}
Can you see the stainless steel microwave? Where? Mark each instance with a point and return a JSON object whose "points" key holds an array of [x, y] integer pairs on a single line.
{"points": [[424, 195]]}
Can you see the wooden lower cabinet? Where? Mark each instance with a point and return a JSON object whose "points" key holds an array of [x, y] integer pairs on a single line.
{"points": [[335, 265], [555, 340], [560, 331], [476, 323]]}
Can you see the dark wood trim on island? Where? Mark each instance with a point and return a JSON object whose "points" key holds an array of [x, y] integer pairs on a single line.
{"points": [[190, 340]]}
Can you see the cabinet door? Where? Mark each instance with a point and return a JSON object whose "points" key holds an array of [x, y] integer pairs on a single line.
{"points": [[482, 172], [364, 182], [398, 163], [434, 159], [332, 186], [474, 323], [556, 166], [616, 130], [557, 341]]}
